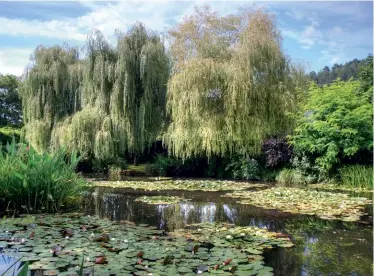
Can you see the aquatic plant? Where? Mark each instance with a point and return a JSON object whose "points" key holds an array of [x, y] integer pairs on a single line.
{"points": [[31, 181], [326, 205], [55, 245], [176, 184], [357, 177]]}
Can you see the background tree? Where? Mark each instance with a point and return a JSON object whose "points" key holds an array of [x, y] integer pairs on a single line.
{"points": [[231, 84], [10, 104], [366, 78], [344, 72]]}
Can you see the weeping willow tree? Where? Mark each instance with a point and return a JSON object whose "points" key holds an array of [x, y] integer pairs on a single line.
{"points": [[48, 92], [111, 103], [231, 84]]}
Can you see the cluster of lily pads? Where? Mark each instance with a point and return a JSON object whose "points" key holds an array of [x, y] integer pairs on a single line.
{"points": [[64, 244], [160, 200], [177, 184], [326, 205], [335, 187]]}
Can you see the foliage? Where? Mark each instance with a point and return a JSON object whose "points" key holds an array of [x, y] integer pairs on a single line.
{"points": [[357, 176], [244, 168], [326, 205], [278, 152], [231, 84], [8, 133], [293, 177], [366, 78], [344, 72], [110, 103], [35, 181], [335, 124], [10, 104]]}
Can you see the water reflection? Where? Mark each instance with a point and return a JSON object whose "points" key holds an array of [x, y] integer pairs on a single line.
{"points": [[5, 263], [322, 247]]}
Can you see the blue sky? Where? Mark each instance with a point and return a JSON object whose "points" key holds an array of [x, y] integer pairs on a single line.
{"points": [[314, 33]]}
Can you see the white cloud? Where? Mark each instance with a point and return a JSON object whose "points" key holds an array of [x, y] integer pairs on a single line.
{"points": [[13, 60]]}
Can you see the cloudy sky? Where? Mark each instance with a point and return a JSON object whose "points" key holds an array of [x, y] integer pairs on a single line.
{"points": [[316, 33]]}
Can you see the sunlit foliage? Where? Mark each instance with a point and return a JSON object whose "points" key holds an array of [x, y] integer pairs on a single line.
{"points": [[109, 103], [231, 84]]}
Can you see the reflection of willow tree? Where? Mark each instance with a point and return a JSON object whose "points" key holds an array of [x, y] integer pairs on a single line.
{"points": [[231, 84], [109, 103]]}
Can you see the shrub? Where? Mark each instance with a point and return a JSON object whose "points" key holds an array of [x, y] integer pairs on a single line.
{"points": [[36, 181], [110, 163], [277, 152], [357, 176], [244, 168], [293, 177]]}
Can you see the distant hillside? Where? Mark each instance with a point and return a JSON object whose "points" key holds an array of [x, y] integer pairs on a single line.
{"points": [[344, 72]]}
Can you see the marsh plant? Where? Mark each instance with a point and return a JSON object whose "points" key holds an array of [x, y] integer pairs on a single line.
{"points": [[357, 176], [37, 181]]}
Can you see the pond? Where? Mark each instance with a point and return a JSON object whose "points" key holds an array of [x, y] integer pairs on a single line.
{"points": [[322, 247], [188, 227]]}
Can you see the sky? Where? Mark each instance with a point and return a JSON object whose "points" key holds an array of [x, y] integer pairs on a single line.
{"points": [[314, 33]]}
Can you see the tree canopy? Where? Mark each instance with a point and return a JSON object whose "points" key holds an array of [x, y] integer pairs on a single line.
{"points": [[344, 72], [107, 104], [334, 124], [231, 84], [10, 104]]}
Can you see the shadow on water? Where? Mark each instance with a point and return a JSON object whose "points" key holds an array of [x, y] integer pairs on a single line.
{"points": [[322, 247]]}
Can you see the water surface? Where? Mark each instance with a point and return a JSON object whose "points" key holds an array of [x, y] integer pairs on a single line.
{"points": [[322, 247]]}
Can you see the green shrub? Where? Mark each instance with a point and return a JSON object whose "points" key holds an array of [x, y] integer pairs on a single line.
{"points": [[357, 176], [293, 178], [34, 181], [244, 168], [110, 163]]}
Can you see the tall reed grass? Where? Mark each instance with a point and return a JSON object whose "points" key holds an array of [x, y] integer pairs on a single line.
{"points": [[37, 181], [357, 176]]}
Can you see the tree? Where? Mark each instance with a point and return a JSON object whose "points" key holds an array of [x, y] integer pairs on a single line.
{"points": [[231, 84], [10, 104], [109, 104], [366, 78], [334, 124], [344, 72]]}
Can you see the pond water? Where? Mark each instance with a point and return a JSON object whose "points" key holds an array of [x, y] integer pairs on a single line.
{"points": [[322, 247]]}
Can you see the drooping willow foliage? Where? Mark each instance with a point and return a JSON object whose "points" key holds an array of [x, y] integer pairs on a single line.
{"points": [[231, 84], [107, 104]]}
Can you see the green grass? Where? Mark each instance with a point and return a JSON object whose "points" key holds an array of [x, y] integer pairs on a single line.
{"points": [[357, 176], [30, 181]]}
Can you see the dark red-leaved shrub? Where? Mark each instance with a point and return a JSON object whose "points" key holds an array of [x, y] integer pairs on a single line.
{"points": [[277, 152]]}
